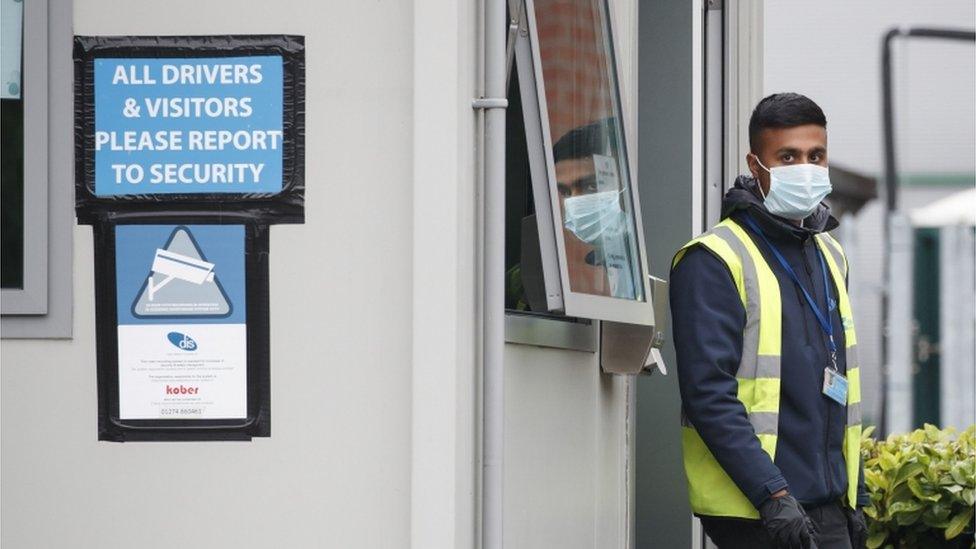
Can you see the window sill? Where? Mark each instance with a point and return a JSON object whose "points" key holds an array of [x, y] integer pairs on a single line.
{"points": [[552, 331]]}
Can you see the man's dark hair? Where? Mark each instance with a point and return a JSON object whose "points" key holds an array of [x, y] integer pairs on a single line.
{"points": [[585, 141], [783, 110]]}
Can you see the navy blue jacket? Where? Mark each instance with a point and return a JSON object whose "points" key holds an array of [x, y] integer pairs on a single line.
{"points": [[708, 321]]}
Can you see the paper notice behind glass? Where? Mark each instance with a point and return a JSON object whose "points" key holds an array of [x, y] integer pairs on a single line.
{"points": [[614, 240]]}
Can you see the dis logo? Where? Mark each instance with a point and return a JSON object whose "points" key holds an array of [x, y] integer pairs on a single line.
{"points": [[182, 341]]}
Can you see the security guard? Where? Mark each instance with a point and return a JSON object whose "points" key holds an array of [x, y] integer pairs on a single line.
{"points": [[766, 351]]}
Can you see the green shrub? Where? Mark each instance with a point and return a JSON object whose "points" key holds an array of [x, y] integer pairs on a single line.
{"points": [[922, 488]]}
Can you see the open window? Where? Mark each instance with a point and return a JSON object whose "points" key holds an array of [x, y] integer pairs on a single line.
{"points": [[581, 237]]}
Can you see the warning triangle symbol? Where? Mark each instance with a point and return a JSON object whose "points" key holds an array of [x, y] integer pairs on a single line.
{"points": [[181, 282]]}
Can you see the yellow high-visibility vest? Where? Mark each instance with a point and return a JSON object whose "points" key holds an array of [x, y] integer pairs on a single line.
{"points": [[710, 489]]}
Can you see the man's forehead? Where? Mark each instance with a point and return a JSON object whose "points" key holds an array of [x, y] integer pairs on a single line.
{"points": [[572, 169], [805, 137]]}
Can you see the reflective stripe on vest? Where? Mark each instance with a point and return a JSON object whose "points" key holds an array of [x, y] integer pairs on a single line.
{"points": [[837, 262], [710, 489]]}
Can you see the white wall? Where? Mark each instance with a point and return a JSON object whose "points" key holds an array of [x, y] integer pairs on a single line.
{"points": [[566, 454], [337, 470], [374, 334]]}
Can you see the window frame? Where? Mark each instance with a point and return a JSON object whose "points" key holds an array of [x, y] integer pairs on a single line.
{"points": [[559, 294], [43, 307]]}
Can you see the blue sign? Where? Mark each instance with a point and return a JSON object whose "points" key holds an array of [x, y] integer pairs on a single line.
{"points": [[188, 274], [188, 125], [182, 330]]}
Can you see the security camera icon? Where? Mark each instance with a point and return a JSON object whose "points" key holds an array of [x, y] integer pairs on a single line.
{"points": [[177, 266]]}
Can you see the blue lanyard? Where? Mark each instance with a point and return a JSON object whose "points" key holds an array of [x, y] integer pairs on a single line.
{"points": [[823, 318]]}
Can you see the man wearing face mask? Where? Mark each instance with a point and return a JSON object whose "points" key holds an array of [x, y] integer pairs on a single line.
{"points": [[766, 351], [597, 230]]}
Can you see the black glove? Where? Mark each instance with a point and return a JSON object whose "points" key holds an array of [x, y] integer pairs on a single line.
{"points": [[787, 524], [857, 527]]}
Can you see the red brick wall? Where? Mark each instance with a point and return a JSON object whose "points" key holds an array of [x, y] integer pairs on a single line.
{"points": [[574, 63]]}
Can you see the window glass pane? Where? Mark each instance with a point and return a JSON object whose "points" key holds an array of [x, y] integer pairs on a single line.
{"points": [[11, 150], [590, 162], [11, 23]]}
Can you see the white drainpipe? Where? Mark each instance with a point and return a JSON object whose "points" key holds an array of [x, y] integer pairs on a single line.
{"points": [[493, 103]]}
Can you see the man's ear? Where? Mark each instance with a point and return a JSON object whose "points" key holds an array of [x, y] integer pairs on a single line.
{"points": [[753, 163]]}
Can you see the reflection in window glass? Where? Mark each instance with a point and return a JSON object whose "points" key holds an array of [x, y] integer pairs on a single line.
{"points": [[11, 149], [590, 163]]}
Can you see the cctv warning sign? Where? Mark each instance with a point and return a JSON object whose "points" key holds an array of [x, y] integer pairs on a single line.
{"points": [[181, 282], [182, 330]]}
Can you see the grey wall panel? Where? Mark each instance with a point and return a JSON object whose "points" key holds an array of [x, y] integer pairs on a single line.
{"points": [[665, 132]]}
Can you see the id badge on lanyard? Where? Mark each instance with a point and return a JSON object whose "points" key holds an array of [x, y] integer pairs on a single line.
{"points": [[835, 385]]}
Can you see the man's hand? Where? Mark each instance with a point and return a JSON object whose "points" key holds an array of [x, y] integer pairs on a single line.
{"points": [[787, 524], [857, 527]]}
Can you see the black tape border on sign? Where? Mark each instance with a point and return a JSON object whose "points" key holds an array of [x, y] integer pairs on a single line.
{"points": [[258, 421], [286, 206]]}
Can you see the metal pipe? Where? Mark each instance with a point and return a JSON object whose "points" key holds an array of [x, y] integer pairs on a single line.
{"points": [[890, 205], [891, 180], [493, 443], [891, 200]]}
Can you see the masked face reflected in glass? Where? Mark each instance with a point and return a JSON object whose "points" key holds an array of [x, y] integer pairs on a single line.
{"points": [[582, 113]]}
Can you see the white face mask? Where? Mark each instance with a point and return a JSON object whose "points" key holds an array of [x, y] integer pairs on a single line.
{"points": [[592, 215], [796, 190]]}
